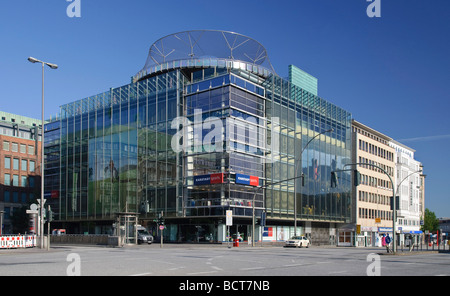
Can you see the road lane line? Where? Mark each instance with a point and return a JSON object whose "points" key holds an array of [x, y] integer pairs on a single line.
{"points": [[201, 272], [141, 274], [252, 268]]}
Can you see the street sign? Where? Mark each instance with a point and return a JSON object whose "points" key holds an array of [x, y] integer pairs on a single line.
{"points": [[32, 211], [229, 221], [377, 220], [161, 227]]}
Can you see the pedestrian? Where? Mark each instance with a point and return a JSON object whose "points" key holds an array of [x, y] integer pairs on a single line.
{"points": [[388, 241]]}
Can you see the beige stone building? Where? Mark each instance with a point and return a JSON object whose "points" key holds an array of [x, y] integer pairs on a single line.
{"points": [[371, 199]]}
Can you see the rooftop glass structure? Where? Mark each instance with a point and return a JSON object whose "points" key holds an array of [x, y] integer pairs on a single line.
{"points": [[206, 48], [205, 127]]}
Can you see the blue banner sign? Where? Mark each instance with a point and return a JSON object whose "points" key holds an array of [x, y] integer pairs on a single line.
{"points": [[202, 180], [247, 180]]}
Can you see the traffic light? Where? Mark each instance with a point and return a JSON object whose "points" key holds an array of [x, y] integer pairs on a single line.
{"points": [[334, 180], [356, 177], [160, 220], [49, 215], [397, 206]]}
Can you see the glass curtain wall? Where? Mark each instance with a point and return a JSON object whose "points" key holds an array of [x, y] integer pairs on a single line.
{"points": [[115, 151], [303, 116], [237, 107]]}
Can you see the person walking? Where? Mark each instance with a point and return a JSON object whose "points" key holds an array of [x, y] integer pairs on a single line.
{"points": [[387, 241]]}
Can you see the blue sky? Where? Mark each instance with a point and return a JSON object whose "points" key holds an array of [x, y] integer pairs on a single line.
{"points": [[392, 73]]}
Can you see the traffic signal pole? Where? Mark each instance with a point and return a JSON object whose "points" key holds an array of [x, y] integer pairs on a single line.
{"points": [[264, 187], [394, 215], [48, 229], [161, 227]]}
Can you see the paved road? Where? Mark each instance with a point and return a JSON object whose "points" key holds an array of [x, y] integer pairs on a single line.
{"points": [[206, 260]]}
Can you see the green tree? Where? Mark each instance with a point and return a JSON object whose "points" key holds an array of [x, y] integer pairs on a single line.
{"points": [[431, 223]]}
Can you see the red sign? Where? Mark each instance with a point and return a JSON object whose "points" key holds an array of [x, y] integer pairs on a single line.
{"points": [[216, 178], [254, 181]]}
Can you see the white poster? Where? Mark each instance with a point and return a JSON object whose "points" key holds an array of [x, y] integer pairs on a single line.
{"points": [[229, 221]]}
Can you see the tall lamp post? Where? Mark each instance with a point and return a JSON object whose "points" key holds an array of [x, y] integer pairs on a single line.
{"points": [[397, 191], [296, 172], [286, 180], [394, 205], [52, 66]]}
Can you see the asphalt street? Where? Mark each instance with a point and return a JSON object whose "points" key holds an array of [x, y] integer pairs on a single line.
{"points": [[218, 260]]}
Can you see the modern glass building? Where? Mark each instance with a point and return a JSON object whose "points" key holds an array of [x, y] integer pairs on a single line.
{"points": [[207, 126]]}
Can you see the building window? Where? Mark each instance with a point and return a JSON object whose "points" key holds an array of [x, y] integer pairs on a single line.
{"points": [[31, 182], [31, 150], [15, 196], [6, 145], [23, 181], [15, 147], [15, 164], [23, 148], [24, 165], [7, 179], [7, 162], [15, 180], [32, 165], [7, 214], [7, 198]]}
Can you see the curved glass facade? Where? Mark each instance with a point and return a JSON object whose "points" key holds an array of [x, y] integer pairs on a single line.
{"points": [[194, 142]]}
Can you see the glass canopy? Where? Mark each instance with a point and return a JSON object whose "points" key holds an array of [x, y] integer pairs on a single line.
{"points": [[207, 48]]}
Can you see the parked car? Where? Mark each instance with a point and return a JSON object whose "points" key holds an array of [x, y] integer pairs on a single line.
{"points": [[144, 236], [297, 241]]}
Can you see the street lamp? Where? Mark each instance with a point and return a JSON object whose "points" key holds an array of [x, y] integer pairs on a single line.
{"points": [[394, 209], [296, 172], [286, 180], [394, 206], [52, 66]]}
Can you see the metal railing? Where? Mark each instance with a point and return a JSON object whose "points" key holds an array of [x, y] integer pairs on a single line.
{"points": [[423, 246]]}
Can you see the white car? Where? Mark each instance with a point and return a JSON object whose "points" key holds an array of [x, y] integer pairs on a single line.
{"points": [[297, 241]]}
